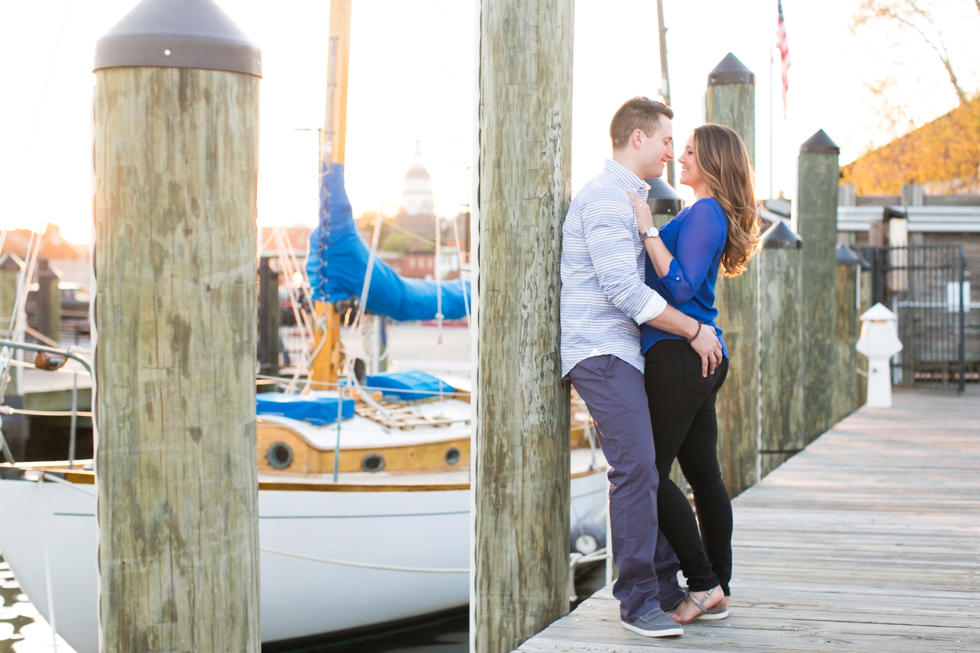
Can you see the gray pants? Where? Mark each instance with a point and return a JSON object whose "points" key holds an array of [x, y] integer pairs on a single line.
{"points": [[614, 392]]}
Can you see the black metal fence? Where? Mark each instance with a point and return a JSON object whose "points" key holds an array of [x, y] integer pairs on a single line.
{"points": [[923, 285]]}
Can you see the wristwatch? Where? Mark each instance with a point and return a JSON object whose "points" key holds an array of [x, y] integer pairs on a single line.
{"points": [[652, 232]]}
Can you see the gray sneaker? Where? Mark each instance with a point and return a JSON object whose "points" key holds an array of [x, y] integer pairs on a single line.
{"points": [[655, 623]]}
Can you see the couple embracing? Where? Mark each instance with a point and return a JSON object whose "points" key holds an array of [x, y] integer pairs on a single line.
{"points": [[639, 344]]}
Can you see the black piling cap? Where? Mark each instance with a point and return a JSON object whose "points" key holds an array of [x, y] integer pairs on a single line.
{"points": [[820, 143], [178, 34], [780, 236], [11, 261], [730, 71], [846, 256], [662, 198]]}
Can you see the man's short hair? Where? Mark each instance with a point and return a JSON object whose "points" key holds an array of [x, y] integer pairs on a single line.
{"points": [[638, 113]]}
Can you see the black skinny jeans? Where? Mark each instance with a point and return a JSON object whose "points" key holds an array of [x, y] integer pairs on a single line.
{"points": [[682, 407]]}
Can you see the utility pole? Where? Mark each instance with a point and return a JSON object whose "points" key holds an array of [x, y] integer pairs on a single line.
{"points": [[665, 84]]}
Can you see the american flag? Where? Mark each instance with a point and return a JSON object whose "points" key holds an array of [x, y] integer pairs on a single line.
{"points": [[783, 44]]}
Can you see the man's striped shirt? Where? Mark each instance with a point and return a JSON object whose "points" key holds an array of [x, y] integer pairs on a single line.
{"points": [[603, 295]]}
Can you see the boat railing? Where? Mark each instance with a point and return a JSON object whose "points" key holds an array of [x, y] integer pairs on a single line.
{"points": [[49, 359]]}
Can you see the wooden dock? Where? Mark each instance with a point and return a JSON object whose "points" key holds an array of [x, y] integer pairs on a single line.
{"points": [[869, 540]]}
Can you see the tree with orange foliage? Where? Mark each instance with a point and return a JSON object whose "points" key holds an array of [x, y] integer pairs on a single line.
{"points": [[943, 155]]}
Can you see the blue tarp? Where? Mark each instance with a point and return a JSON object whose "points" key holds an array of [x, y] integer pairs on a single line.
{"points": [[315, 408], [338, 262], [407, 386]]}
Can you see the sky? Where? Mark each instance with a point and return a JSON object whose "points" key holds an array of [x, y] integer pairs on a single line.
{"points": [[412, 76]]}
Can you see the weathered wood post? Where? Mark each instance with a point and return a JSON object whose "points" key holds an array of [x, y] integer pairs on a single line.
{"points": [[862, 360], [521, 478], [16, 428], [47, 300], [269, 314], [846, 333], [176, 163], [816, 220], [731, 102], [781, 321]]}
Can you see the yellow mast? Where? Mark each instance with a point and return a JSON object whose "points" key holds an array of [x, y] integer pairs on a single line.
{"points": [[333, 137]]}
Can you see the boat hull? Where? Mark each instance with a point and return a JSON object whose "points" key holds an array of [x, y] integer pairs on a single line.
{"points": [[299, 597]]}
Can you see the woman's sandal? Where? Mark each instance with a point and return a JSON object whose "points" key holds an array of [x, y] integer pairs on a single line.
{"points": [[715, 612]]}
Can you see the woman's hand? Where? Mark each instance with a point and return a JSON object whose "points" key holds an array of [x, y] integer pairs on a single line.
{"points": [[644, 220]]}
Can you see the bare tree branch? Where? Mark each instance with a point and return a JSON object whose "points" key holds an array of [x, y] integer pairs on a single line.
{"points": [[909, 14]]}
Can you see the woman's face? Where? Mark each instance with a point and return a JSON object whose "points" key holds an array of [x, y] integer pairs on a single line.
{"points": [[690, 174]]}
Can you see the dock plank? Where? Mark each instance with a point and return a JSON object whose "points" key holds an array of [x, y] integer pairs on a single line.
{"points": [[869, 540]]}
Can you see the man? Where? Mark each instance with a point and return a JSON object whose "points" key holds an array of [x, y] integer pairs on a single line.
{"points": [[603, 300]]}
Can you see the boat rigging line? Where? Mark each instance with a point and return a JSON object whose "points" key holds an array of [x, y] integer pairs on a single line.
{"points": [[365, 565]]}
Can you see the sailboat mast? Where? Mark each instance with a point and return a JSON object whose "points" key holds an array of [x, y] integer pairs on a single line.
{"points": [[334, 134], [333, 137]]}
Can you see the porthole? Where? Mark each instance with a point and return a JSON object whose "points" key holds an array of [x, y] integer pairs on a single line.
{"points": [[452, 456], [279, 455], [373, 462]]}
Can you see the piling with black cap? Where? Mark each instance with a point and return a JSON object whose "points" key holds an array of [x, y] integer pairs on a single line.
{"points": [[665, 203], [176, 169], [730, 101], [816, 220], [781, 320], [663, 200], [846, 332]]}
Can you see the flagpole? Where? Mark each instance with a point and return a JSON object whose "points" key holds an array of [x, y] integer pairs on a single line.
{"points": [[772, 60]]}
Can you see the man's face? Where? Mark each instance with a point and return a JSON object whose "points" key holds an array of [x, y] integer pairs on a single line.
{"points": [[658, 149]]}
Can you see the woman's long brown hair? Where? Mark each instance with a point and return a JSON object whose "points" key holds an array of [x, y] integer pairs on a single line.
{"points": [[726, 169]]}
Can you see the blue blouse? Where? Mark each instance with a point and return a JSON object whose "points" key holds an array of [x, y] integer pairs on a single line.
{"points": [[696, 238]]}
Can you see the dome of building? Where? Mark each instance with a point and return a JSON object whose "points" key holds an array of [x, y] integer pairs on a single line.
{"points": [[417, 188]]}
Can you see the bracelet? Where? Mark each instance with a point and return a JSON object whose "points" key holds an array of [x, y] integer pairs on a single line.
{"points": [[695, 337]]}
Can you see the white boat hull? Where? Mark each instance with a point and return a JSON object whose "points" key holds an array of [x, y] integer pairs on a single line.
{"points": [[428, 529]]}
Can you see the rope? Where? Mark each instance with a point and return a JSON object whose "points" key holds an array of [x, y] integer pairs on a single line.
{"points": [[7, 410], [68, 484], [394, 226], [328, 385], [47, 565], [364, 565]]}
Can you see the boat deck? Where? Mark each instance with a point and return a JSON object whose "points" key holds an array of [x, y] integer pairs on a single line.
{"points": [[869, 540]]}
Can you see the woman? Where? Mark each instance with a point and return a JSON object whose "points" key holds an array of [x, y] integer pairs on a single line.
{"points": [[719, 231]]}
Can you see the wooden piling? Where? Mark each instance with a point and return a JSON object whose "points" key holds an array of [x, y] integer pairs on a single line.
{"points": [[816, 220], [846, 332], [46, 301], [269, 315], [11, 269], [521, 475], [176, 163], [862, 361], [780, 269], [730, 101]]}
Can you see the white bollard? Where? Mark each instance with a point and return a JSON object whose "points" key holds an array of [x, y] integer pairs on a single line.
{"points": [[879, 342]]}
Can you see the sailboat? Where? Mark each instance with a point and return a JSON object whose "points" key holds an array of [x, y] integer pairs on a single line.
{"points": [[364, 488]]}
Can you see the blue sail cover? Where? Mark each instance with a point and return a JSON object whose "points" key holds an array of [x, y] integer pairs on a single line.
{"points": [[339, 257]]}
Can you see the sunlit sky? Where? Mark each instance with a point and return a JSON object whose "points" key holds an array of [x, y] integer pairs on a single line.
{"points": [[412, 77]]}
